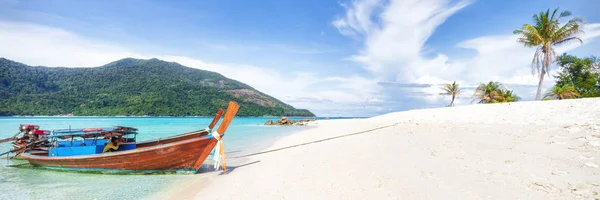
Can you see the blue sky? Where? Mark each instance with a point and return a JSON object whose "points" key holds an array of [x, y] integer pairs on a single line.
{"points": [[336, 58]]}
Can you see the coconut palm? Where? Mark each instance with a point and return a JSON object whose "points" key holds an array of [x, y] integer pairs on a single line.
{"points": [[451, 89], [489, 93], [544, 34], [564, 92], [509, 96]]}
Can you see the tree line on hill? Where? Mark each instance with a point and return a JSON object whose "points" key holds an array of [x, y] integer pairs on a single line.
{"points": [[129, 87]]}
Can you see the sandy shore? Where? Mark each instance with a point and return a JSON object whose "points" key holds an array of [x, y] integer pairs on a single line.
{"points": [[525, 150]]}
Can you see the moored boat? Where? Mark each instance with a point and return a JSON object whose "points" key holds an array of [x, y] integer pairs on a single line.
{"points": [[33, 139], [181, 152]]}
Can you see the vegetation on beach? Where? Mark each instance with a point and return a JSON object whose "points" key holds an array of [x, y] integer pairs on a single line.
{"points": [[129, 87], [494, 92], [451, 89], [562, 92], [544, 34], [578, 75], [578, 78]]}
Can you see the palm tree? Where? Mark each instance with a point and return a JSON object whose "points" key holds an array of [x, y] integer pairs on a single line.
{"points": [[509, 96], [544, 34], [451, 89], [489, 93], [564, 92]]}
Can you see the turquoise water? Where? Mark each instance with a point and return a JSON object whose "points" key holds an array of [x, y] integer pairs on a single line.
{"points": [[18, 180]]}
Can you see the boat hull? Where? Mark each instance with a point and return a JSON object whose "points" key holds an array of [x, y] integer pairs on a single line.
{"points": [[179, 155]]}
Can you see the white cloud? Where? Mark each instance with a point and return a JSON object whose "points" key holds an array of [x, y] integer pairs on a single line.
{"points": [[35, 44], [42, 45], [394, 37], [357, 18]]}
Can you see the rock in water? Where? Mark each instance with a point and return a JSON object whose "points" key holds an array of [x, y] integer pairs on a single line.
{"points": [[284, 121]]}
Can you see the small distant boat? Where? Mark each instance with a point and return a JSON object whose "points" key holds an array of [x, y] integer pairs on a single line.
{"points": [[180, 152]]}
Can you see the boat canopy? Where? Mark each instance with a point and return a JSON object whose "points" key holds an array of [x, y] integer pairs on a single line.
{"points": [[92, 132]]}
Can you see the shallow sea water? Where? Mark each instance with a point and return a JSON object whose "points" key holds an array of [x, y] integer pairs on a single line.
{"points": [[19, 180]]}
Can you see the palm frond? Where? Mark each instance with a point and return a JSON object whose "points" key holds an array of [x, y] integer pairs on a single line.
{"points": [[570, 29], [565, 13], [554, 13], [568, 41]]}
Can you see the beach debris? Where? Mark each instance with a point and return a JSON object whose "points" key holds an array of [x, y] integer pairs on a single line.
{"points": [[559, 173], [586, 190], [284, 121], [548, 188]]}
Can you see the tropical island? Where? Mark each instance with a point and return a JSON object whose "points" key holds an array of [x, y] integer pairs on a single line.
{"points": [[128, 87], [485, 140]]}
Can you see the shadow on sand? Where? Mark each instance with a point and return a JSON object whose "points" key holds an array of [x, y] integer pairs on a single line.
{"points": [[232, 168]]}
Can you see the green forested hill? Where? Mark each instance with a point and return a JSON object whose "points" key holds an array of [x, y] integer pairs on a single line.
{"points": [[131, 87]]}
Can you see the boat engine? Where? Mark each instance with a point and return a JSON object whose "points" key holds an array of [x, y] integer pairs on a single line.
{"points": [[26, 128], [31, 133], [31, 138], [39, 134]]}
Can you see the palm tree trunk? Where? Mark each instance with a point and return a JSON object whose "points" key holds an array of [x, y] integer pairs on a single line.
{"points": [[452, 102], [545, 65], [539, 90]]}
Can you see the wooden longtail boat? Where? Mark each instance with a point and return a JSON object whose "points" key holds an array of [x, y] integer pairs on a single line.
{"points": [[22, 144], [185, 152]]}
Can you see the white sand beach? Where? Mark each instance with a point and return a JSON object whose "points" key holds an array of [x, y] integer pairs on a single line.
{"points": [[524, 150]]}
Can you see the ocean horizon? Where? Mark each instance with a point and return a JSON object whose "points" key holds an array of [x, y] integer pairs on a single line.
{"points": [[19, 180]]}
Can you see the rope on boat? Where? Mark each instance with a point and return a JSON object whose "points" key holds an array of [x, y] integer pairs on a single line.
{"points": [[317, 141]]}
